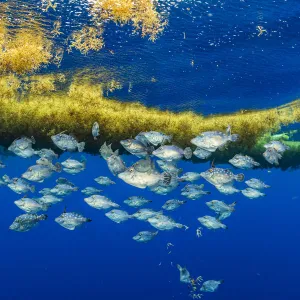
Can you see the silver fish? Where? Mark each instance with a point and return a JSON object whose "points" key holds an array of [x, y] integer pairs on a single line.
{"points": [[194, 191], [185, 276], [26, 222], [145, 236], [103, 180], [20, 186], [106, 151], [67, 142], [272, 156], [227, 189], [173, 204], [172, 152], [118, 216], [30, 205], [90, 191], [47, 153], [243, 162], [136, 147], [256, 184], [74, 164], [23, 147], [213, 140], [71, 220], [218, 176], [38, 173], [222, 209], [201, 153], [63, 188], [169, 167], [144, 165], [145, 213], [100, 202], [211, 222], [95, 130], [156, 138], [136, 201], [49, 199], [162, 222], [211, 285], [278, 146], [115, 164], [252, 193], [190, 176]]}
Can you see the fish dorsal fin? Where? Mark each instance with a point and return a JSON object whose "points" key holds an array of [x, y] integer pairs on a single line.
{"points": [[65, 210], [212, 165], [228, 130]]}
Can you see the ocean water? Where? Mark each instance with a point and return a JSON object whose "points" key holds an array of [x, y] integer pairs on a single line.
{"points": [[221, 66]]}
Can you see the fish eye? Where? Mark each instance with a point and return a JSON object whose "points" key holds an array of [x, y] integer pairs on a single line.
{"points": [[30, 169], [210, 170], [131, 170]]}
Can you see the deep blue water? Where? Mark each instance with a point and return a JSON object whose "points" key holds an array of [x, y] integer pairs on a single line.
{"points": [[258, 256]]}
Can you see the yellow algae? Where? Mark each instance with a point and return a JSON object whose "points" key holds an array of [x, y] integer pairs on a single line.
{"points": [[78, 107], [86, 39], [142, 14]]}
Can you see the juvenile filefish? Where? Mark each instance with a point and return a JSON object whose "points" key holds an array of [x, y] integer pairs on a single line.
{"points": [[118, 216], [47, 153], [256, 184], [26, 222], [73, 166], [95, 130], [63, 188], [172, 152], [211, 222], [243, 162], [272, 156], [145, 213], [252, 193], [103, 180], [169, 167], [156, 138], [90, 191], [278, 146], [19, 185], [194, 191], [136, 201], [100, 202], [23, 147], [227, 189], [38, 173], [71, 220], [185, 276], [211, 285], [67, 142], [222, 209], [145, 236], [136, 147], [190, 176], [115, 164], [201, 153], [31, 206], [49, 199], [162, 222], [173, 204]]}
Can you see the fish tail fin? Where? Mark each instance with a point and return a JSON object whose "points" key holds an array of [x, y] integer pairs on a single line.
{"points": [[89, 220], [256, 164], [156, 232], [234, 137], [43, 217], [32, 139], [32, 188], [188, 153], [233, 204], [240, 177], [81, 146], [267, 186], [58, 167]]}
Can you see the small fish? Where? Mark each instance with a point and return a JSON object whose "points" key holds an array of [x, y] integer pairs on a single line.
{"points": [[100, 202], [162, 188], [30, 205], [218, 176], [90, 191], [222, 209], [144, 165], [272, 156], [95, 130], [211, 285], [47, 153], [169, 167], [115, 164], [136, 201], [185, 276], [213, 140], [227, 189], [118, 216], [23, 147], [71, 220], [104, 181], [173, 204], [190, 176], [38, 173], [201, 153], [67, 142], [49, 199], [145, 213], [243, 162], [26, 222], [211, 222], [136, 147], [145, 236], [161, 222], [63, 188], [278, 146], [157, 138], [256, 184], [194, 191], [172, 152], [74, 164], [106, 151], [19, 185], [252, 193]]}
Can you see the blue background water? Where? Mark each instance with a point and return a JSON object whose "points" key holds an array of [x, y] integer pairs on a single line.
{"points": [[258, 256]]}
